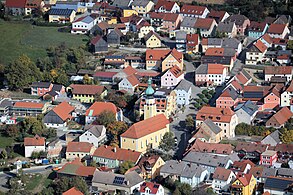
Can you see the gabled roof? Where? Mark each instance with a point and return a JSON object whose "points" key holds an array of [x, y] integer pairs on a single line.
{"points": [[150, 34], [278, 183], [28, 105], [168, 5], [272, 139], [188, 22], [249, 107], [282, 116], [284, 148], [238, 19], [152, 187], [87, 89], [86, 19], [216, 69], [41, 84], [257, 26], [240, 166], [176, 71], [277, 28], [243, 77], [115, 153], [72, 191], [244, 179], [142, 3], [76, 168], [133, 80], [226, 27], [143, 128], [251, 147], [260, 46], [98, 107], [96, 39], [192, 9], [79, 147], [96, 130], [217, 15], [161, 54], [184, 85], [34, 141], [200, 146], [222, 174], [215, 114], [15, 3], [60, 12], [230, 92], [204, 23], [275, 70], [63, 110]]}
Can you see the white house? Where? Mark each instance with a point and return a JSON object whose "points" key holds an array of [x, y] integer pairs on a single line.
{"points": [[165, 6], [212, 74], [278, 30], [83, 25], [94, 134], [172, 77], [287, 95], [194, 11], [278, 71], [206, 26], [183, 92], [255, 54], [222, 179], [33, 144], [246, 112], [128, 84], [150, 188]]}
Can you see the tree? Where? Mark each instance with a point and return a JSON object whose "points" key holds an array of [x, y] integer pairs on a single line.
{"points": [[12, 130], [62, 79], [189, 121], [3, 154], [176, 192], [63, 184], [167, 143], [87, 80], [185, 189], [32, 126], [125, 166], [106, 118], [287, 136]]}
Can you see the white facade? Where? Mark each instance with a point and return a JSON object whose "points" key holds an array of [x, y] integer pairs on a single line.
{"points": [[82, 27], [210, 31], [282, 36], [126, 85], [55, 125], [160, 191], [269, 76], [30, 149], [175, 9], [194, 181], [203, 15], [285, 98], [252, 58], [219, 184], [169, 80], [183, 97], [218, 79], [143, 31], [91, 138]]}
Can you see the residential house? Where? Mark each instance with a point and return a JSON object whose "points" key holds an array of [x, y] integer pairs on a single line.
{"points": [[222, 179], [41, 88], [104, 77], [166, 6], [152, 40], [144, 28], [122, 3], [261, 173], [129, 84], [229, 98], [183, 92], [283, 19], [242, 167], [172, 77], [187, 25], [246, 112], [225, 118], [205, 26], [256, 53], [86, 93], [99, 107], [228, 29], [59, 115], [141, 136], [94, 134], [56, 92], [278, 71], [149, 188], [78, 7], [33, 144], [142, 7], [76, 168], [257, 29], [227, 61], [5, 106], [286, 95], [112, 157], [244, 184], [163, 59], [109, 181], [55, 148], [185, 172], [243, 78], [210, 74], [194, 11], [112, 61], [79, 150], [170, 22], [192, 43], [210, 161], [28, 108], [241, 21], [127, 12], [98, 44], [279, 119], [278, 185], [268, 158], [285, 151], [71, 191], [221, 43], [251, 151], [209, 132], [219, 16], [15, 7], [61, 15], [83, 25], [278, 30], [272, 139], [114, 37]]}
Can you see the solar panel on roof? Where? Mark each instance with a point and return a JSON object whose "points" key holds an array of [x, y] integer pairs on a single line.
{"points": [[118, 180]]}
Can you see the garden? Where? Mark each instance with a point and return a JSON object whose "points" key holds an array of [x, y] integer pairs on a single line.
{"points": [[203, 98]]}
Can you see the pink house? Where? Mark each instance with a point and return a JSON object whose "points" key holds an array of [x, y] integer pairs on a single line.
{"points": [[272, 98], [170, 22], [172, 77], [268, 158], [41, 88], [228, 99], [241, 22], [210, 74]]}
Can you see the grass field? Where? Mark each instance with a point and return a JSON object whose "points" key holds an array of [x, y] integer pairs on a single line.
{"points": [[17, 38], [5, 141]]}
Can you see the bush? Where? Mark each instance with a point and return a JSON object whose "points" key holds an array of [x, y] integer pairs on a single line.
{"points": [[205, 100], [205, 92], [209, 96], [201, 96]]}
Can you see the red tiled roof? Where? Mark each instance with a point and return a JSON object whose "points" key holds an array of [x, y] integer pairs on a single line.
{"points": [[170, 17], [260, 46], [276, 70], [215, 114], [85, 171], [192, 39], [143, 128], [282, 116], [251, 147], [267, 38], [168, 5], [215, 51], [192, 9], [133, 80], [129, 70], [204, 23], [257, 26], [276, 28], [34, 141], [204, 41], [290, 87], [241, 78], [96, 39], [176, 71], [153, 187], [63, 110], [28, 105], [241, 165], [72, 191], [200, 146], [236, 85], [216, 68], [222, 174], [87, 89], [98, 107], [161, 54], [15, 3], [284, 148], [244, 179], [105, 74], [108, 152], [279, 41], [217, 14], [79, 147]]}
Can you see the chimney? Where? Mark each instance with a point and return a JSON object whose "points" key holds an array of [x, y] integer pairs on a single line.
{"points": [[127, 182], [106, 146], [114, 149]]}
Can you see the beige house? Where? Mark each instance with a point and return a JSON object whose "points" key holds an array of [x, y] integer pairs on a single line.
{"points": [[61, 15], [152, 40], [79, 150], [209, 132], [142, 7], [144, 28]]}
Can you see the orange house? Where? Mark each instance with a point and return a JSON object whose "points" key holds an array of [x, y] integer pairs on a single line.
{"points": [[272, 98]]}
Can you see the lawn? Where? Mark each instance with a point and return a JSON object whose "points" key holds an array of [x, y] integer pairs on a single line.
{"points": [[5, 141], [19, 38], [34, 182]]}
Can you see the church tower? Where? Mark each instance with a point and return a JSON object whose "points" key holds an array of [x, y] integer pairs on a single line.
{"points": [[150, 108]]}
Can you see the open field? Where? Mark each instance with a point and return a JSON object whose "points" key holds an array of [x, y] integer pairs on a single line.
{"points": [[17, 38]]}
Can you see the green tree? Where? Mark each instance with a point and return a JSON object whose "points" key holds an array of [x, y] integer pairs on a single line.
{"points": [[185, 189], [116, 128], [21, 73], [167, 143], [106, 118], [190, 123], [177, 192], [62, 79], [87, 80], [3, 154], [63, 184], [12, 130], [287, 136], [32, 126], [125, 166]]}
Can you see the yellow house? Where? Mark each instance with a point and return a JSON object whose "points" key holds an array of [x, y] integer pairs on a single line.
{"points": [[146, 134], [142, 7], [79, 150], [129, 12], [144, 28], [86, 93], [112, 20], [152, 40], [61, 15], [209, 132], [244, 184], [150, 166]]}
